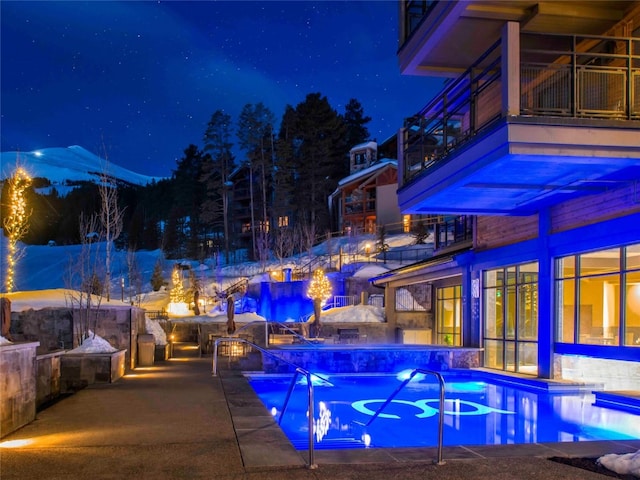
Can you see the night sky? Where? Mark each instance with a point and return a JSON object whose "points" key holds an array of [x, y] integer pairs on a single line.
{"points": [[137, 82]]}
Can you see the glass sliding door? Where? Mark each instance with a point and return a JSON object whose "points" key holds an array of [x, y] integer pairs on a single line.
{"points": [[449, 315], [511, 318]]}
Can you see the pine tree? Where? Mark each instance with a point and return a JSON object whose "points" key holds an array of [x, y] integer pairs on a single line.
{"points": [[319, 147], [285, 204], [255, 135], [188, 196], [355, 121], [216, 169], [157, 281]]}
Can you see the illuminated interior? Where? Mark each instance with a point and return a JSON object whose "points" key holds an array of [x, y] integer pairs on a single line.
{"points": [[599, 297]]}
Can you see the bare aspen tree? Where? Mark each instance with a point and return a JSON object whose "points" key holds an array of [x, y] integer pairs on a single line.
{"points": [[330, 247], [111, 220], [255, 129], [283, 243], [83, 279], [262, 245], [308, 238]]}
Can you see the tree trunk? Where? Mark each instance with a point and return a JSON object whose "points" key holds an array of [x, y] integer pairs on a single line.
{"points": [[317, 312]]}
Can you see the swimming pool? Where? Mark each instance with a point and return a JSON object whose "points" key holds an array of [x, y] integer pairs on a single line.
{"points": [[479, 410]]}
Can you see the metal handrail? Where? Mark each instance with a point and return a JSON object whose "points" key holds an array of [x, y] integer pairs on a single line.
{"points": [[311, 465], [266, 324], [440, 409], [294, 333]]}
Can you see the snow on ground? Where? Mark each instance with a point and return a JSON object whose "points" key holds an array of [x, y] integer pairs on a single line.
{"points": [[93, 344], [56, 297], [40, 277], [355, 314], [371, 271], [623, 464]]}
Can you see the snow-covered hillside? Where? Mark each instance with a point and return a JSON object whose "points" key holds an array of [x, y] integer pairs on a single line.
{"points": [[64, 165], [43, 267]]}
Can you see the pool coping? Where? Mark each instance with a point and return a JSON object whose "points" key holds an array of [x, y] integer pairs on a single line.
{"points": [[626, 400], [263, 444]]}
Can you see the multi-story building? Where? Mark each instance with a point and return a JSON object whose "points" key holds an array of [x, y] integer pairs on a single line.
{"points": [[534, 147], [367, 197]]}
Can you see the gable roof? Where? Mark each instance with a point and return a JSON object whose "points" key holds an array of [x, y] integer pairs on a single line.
{"points": [[380, 164], [361, 146]]}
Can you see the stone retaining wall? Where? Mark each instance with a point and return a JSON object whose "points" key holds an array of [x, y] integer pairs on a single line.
{"points": [[78, 370], [54, 327], [48, 377], [17, 386]]}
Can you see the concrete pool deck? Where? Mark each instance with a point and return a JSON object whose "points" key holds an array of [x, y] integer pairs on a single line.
{"points": [[174, 420]]}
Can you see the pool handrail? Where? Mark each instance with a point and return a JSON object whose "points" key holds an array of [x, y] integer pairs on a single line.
{"points": [[440, 409], [311, 465]]}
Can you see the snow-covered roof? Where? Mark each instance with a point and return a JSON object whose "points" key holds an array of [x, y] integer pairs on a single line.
{"points": [[382, 163], [373, 145]]}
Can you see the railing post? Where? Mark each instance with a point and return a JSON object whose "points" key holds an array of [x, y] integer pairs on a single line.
{"points": [[630, 93], [510, 69], [307, 374], [312, 464], [215, 359], [440, 410]]}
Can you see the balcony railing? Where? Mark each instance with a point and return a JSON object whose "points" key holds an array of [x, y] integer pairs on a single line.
{"points": [[458, 112], [414, 13], [453, 231], [560, 76]]}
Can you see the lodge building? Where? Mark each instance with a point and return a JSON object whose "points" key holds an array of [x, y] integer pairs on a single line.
{"points": [[533, 146]]}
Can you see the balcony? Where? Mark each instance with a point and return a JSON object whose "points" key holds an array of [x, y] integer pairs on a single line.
{"points": [[453, 233], [442, 38], [537, 119]]}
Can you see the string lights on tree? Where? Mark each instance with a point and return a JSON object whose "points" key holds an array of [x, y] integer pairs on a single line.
{"points": [[177, 295], [320, 287], [16, 223], [319, 291]]}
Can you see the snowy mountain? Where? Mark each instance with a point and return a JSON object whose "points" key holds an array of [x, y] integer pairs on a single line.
{"points": [[66, 166]]}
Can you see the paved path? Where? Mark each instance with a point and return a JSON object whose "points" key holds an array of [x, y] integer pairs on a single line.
{"points": [[176, 421]]}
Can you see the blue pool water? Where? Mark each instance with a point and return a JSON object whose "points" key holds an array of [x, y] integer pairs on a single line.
{"points": [[478, 411]]}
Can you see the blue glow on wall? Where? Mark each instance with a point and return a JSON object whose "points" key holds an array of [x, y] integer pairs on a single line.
{"points": [[282, 301]]}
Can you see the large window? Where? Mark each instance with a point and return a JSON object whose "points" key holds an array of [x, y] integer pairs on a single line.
{"points": [[414, 298], [449, 315], [598, 297], [511, 318]]}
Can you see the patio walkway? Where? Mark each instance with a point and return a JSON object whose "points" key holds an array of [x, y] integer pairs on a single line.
{"points": [[174, 420]]}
